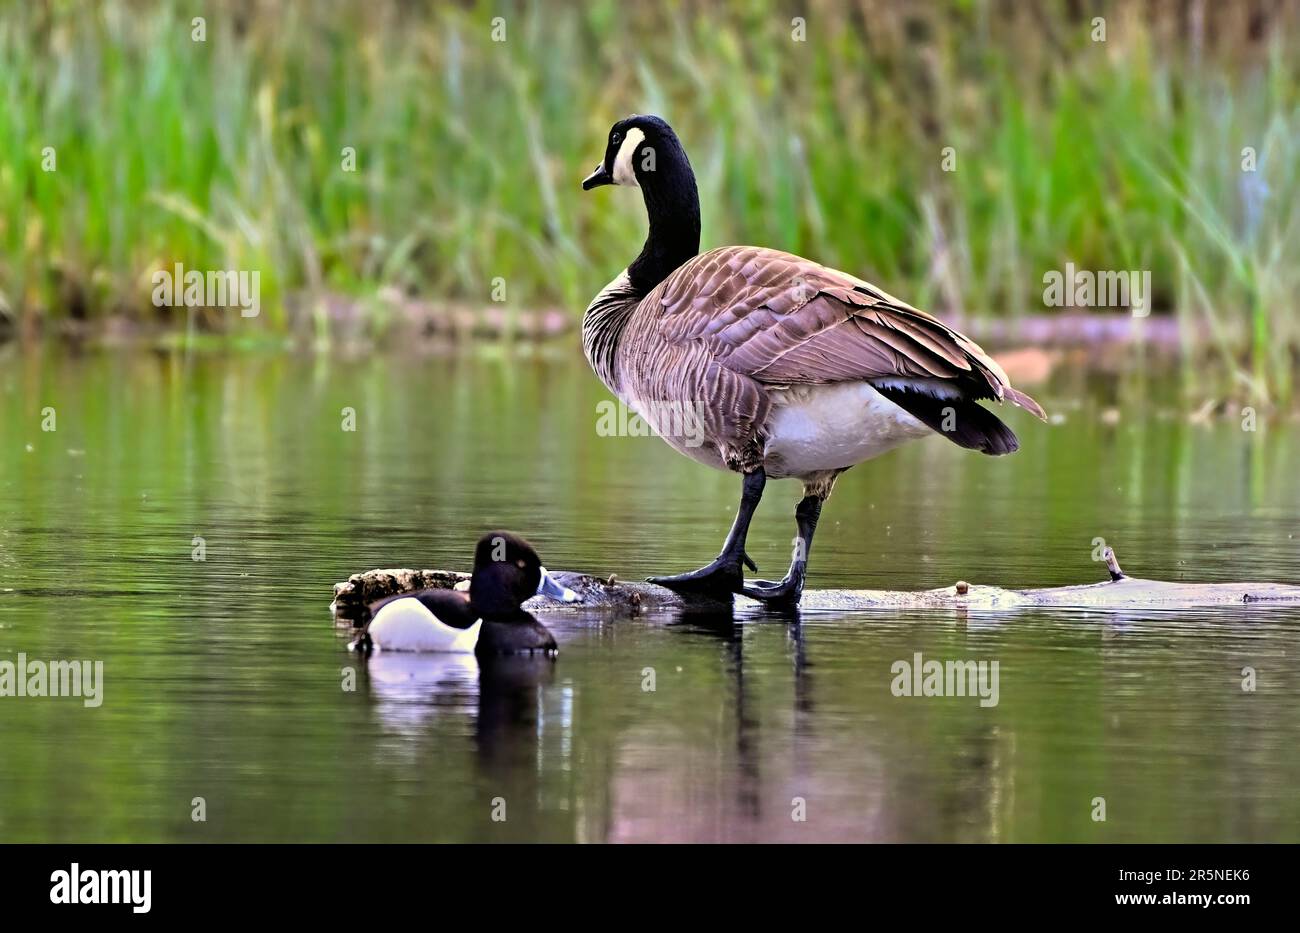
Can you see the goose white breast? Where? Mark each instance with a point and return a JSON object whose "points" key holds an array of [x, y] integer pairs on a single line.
{"points": [[832, 427]]}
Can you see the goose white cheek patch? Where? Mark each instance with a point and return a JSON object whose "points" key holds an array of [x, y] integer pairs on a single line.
{"points": [[624, 174]]}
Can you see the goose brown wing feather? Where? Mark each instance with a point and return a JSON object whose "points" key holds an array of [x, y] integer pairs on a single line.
{"points": [[781, 319]]}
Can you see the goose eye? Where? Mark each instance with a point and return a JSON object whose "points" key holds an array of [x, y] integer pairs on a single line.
{"points": [[521, 564], [615, 138]]}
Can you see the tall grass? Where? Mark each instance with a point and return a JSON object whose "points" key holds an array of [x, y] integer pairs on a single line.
{"points": [[227, 153]]}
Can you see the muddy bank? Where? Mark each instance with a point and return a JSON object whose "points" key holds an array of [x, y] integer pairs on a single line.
{"points": [[392, 319]]}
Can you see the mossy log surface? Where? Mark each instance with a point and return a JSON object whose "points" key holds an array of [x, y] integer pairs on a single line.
{"points": [[353, 598]]}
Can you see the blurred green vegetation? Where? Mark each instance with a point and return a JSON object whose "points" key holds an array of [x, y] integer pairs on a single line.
{"points": [[227, 153]]}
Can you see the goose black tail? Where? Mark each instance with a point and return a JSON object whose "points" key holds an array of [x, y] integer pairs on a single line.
{"points": [[962, 421]]}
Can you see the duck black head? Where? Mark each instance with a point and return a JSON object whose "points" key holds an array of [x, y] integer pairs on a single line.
{"points": [[642, 151], [507, 571]]}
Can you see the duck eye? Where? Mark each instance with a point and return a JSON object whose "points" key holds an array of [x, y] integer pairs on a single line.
{"points": [[521, 564]]}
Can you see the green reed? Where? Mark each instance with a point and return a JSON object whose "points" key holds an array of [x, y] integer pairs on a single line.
{"points": [[228, 153]]}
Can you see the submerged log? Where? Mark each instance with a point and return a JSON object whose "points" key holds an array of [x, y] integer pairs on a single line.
{"points": [[353, 598]]}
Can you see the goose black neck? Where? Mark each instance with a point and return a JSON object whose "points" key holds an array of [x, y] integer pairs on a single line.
{"points": [[673, 205]]}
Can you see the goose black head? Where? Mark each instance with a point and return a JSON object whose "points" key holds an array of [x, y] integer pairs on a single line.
{"points": [[637, 150], [507, 571], [643, 152]]}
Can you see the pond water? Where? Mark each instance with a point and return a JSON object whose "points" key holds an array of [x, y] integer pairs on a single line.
{"points": [[224, 678]]}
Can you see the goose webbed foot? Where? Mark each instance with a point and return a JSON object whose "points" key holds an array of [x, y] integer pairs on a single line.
{"points": [[786, 592], [721, 577], [725, 575]]}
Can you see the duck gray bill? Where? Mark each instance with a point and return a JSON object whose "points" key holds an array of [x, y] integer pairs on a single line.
{"points": [[549, 586]]}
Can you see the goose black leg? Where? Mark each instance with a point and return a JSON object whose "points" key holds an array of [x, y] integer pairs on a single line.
{"points": [[725, 575], [789, 590]]}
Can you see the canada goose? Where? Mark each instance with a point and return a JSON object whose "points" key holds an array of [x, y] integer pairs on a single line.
{"points": [[487, 620], [787, 368]]}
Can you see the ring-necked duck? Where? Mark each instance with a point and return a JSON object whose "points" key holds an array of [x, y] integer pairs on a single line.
{"points": [[487, 620]]}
